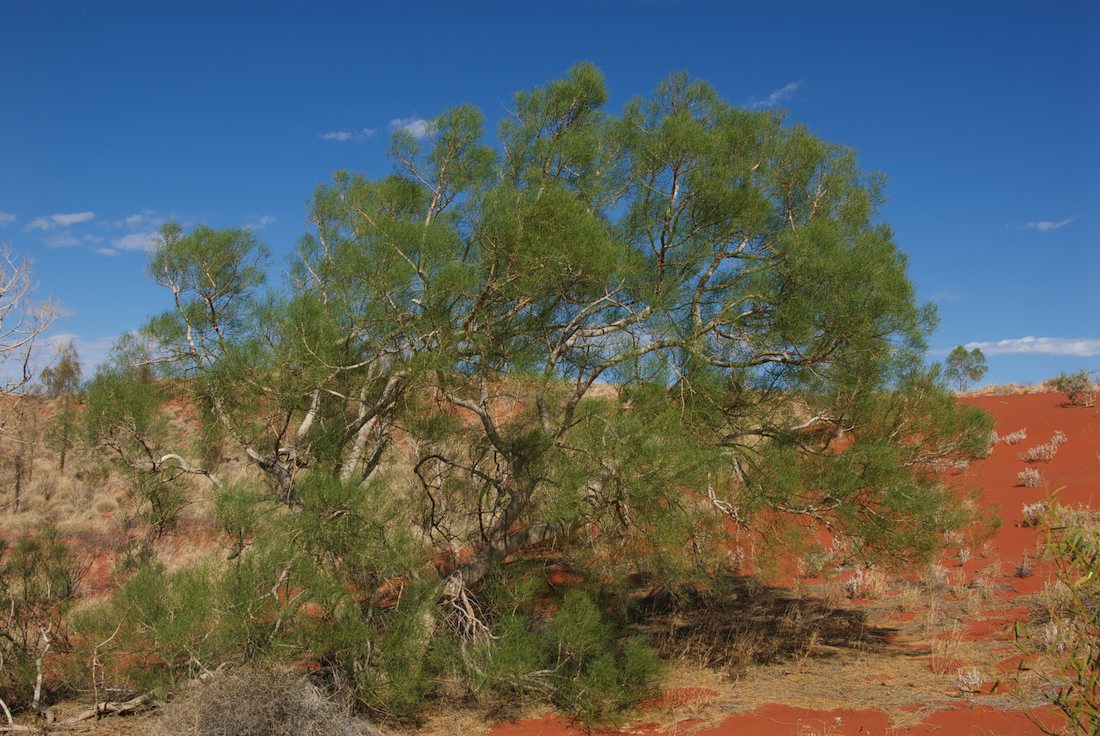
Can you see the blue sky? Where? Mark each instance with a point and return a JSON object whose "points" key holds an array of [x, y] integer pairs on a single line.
{"points": [[984, 117]]}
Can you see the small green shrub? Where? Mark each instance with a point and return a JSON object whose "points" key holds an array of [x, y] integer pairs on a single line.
{"points": [[1077, 387], [39, 583], [582, 660]]}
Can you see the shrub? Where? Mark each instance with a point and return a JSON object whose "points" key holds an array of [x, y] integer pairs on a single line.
{"points": [[1040, 453], [1024, 568], [39, 582], [1077, 387], [582, 660], [1033, 512], [1013, 438], [1030, 477], [969, 680]]}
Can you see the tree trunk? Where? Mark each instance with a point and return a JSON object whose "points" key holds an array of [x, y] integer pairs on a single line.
{"points": [[18, 482]]}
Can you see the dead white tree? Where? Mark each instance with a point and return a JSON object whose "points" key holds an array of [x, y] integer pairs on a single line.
{"points": [[22, 322]]}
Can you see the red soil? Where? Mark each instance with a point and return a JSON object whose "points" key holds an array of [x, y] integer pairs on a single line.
{"points": [[781, 720]]}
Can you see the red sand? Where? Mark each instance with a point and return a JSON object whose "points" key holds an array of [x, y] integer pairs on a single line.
{"points": [[1074, 474], [782, 720]]}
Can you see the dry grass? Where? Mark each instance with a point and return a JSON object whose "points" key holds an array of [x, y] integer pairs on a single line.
{"points": [[947, 652], [254, 702]]}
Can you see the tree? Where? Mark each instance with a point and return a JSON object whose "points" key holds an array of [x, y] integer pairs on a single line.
{"points": [[39, 583], [965, 366], [62, 378], [611, 337], [22, 322], [62, 383]]}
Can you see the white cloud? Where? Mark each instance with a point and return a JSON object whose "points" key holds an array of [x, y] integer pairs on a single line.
{"points": [[73, 218], [260, 223], [135, 241], [777, 97], [414, 126], [345, 136], [1080, 347], [106, 251], [1048, 225], [143, 219], [6, 219], [62, 239], [63, 219]]}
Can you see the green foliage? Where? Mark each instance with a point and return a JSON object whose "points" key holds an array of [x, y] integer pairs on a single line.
{"points": [[39, 583], [964, 367], [581, 658], [1077, 387]]}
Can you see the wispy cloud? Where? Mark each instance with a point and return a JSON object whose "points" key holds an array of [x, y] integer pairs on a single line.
{"points": [[1080, 347], [777, 97], [60, 219], [144, 219], [260, 223], [73, 218], [349, 136], [414, 126], [106, 251], [6, 219], [132, 242], [62, 239], [1048, 225], [65, 238]]}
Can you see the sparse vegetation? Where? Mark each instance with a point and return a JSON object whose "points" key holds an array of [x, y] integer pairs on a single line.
{"points": [[1070, 635], [1078, 388]]}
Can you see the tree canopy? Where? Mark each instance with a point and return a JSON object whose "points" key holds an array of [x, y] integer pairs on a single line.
{"points": [[965, 366]]}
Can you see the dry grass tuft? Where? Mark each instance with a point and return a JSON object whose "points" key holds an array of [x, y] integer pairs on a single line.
{"points": [[254, 702]]}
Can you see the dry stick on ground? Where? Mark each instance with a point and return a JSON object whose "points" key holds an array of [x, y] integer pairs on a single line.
{"points": [[102, 709]]}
